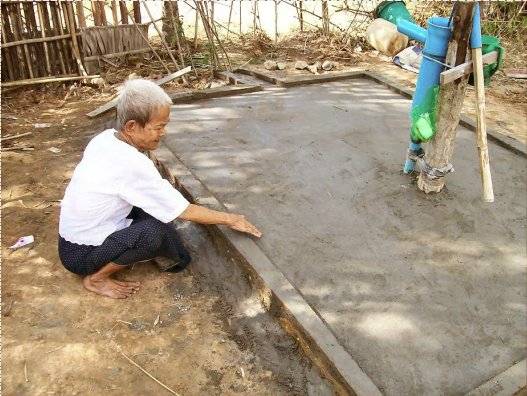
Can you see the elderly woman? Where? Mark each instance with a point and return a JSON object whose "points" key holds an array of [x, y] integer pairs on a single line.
{"points": [[117, 210]]}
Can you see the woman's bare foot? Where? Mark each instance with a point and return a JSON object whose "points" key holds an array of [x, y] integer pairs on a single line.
{"points": [[101, 283], [109, 287]]}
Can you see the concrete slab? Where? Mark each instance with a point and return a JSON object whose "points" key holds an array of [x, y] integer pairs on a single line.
{"points": [[426, 293]]}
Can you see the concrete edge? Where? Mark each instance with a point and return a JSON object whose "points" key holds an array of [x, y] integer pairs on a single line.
{"points": [[211, 93], [276, 292], [500, 139], [505, 384]]}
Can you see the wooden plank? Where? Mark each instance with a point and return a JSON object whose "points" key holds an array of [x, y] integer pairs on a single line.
{"points": [[117, 54], [466, 68], [111, 104], [516, 73], [35, 40]]}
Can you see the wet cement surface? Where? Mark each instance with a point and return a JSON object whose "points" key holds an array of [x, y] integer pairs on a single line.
{"points": [[426, 292]]}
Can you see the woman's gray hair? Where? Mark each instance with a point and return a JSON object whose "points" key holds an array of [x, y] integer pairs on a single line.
{"points": [[138, 101]]}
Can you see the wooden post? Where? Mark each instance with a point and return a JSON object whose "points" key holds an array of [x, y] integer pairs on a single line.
{"points": [[229, 23], [196, 28], [301, 16], [80, 14], [96, 13], [450, 101], [137, 12], [114, 13], [240, 17], [102, 12], [43, 31], [69, 17], [275, 21], [254, 18], [325, 17], [124, 12]]}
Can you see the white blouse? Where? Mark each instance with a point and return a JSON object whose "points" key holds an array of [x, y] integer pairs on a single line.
{"points": [[111, 178]]}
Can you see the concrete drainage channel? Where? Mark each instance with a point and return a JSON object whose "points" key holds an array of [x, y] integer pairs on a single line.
{"points": [[277, 294]]}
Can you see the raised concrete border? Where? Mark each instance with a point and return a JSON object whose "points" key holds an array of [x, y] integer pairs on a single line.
{"points": [[505, 384], [497, 137], [211, 93], [277, 294]]}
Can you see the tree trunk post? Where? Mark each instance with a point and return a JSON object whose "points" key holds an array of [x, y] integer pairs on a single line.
{"points": [[450, 100]]}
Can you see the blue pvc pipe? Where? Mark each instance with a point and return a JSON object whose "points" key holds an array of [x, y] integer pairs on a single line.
{"points": [[435, 41], [475, 34]]}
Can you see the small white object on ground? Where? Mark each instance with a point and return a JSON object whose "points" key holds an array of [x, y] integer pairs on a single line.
{"points": [[327, 65], [43, 125], [23, 241], [301, 65], [54, 150], [281, 65]]}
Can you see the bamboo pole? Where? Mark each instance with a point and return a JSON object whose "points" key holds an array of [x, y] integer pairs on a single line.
{"points": [[254, 17], [483, 149], [17, 29], [275, 21], [137, 11], [43, 31], [240, 17], [7, 52], [301, 16], [42, 80], [102, 12], [196, 29], [35, 40], [36, 50], [80, 14], [62, 45], [96, 11], [70, 23], [325, 17], [124, 12], [114, 13], [230, 15]]}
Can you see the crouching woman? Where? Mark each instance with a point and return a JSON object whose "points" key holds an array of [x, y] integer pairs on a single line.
{"points": [[117, 210]]}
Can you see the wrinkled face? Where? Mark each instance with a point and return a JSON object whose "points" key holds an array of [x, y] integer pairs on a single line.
{"points": [[148, 137]]}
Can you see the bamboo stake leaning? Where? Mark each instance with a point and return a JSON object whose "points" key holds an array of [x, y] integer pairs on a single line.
{"points": [[176, 30], [230, 15], [479, 84], [61, 45], [18, 28]]}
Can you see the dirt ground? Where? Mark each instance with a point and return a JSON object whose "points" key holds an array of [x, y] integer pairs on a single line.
{"points": [[212, 336]]}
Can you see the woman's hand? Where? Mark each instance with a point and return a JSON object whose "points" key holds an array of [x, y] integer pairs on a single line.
{"points": [[238, 223]]}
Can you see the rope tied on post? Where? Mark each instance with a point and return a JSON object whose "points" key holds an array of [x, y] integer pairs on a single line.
{"points": [[430, 172]]}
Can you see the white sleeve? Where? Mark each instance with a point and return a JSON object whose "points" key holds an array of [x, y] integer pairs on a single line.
{"points": [[144, 187]]}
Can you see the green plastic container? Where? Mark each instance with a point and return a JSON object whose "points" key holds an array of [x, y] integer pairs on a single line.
{"points": [[490, 44], [392, 11]]}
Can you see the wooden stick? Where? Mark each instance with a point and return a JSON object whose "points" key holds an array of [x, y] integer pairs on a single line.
{"points": [[196, 28], [466, 68], [137, 11], [117, 54], [8, 53], [17, 29], [43, 31], [80, 14], [230, 15], [240, 18], [483, 149], [42, 80], [114, 13], [102, 13], [62, 45], [34, 40], [146, 372], [16, 136], [96, 12], [124, 12], [176, 26], [275, 21]]}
